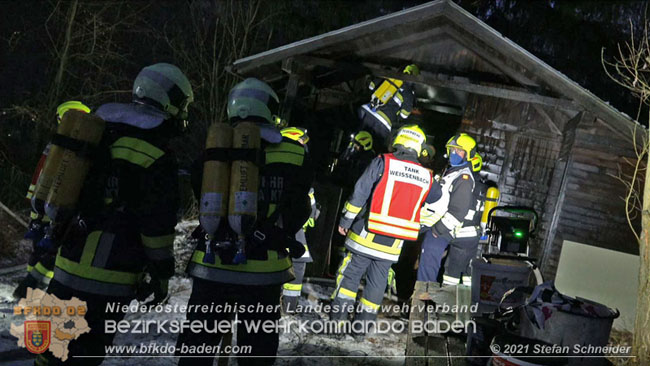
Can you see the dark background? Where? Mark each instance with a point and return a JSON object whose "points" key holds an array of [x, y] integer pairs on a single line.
{"points": [[52, 51]]}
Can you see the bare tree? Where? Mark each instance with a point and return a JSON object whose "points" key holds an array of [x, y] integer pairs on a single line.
{"points": [[220, 33], [631, 69]]}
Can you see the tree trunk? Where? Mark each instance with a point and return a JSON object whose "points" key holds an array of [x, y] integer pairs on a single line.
{"points": [[642, 321], [56, 91]]}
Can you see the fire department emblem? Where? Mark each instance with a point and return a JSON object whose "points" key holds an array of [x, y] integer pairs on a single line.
{"points": [[37, 335]]}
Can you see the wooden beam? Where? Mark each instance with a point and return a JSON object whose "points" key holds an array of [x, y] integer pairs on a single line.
{"points": [[445, 81], [296, 75], [548, 120], [387, 48], [558, 185], [554, 79], [496, 62], [381, 24]]}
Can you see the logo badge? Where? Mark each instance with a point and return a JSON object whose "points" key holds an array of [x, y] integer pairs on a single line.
{"points": [[37, 335]]}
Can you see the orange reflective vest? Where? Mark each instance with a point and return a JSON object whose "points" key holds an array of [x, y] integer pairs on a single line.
{"points": [[396, 201]]}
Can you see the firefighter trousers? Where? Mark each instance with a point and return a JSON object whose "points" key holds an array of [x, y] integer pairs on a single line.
{"points": [[291, 290], [461, 252], [433, 248], [94, 342], [354, 266], [252, 305]]}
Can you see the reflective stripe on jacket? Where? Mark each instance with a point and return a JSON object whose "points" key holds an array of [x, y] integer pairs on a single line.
{"points": [[448, 212], [107, 253], [283, 173], [397, 198]]}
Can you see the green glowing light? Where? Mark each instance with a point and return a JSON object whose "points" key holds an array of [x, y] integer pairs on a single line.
{"points": [[519, 234]]}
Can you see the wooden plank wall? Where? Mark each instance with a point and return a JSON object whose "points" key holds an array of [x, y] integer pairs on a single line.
{"points": [[521, 154], [519, 150], [593, 211]]}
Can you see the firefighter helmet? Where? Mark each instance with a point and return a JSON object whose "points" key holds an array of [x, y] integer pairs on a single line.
{"points": [[412, 69], [410, 137], [477, 162], [364, 138], [428, 153], [165, 87], [296, 134], [464, 142], [279, 122], [253, 98], [66, 106]]}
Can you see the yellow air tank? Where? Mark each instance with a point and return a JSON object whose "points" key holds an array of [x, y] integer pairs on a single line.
{"points": [[216, 178], [491, 201], [244, 184], [72, 164], [50, 167], [385, 91]]}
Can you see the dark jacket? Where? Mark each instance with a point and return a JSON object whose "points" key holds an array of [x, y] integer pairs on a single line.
{"points": [[127, 213]]}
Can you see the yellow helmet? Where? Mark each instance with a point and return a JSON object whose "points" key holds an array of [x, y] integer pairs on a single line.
{"points": [[428, 154], [477, 162], [279, 122], [364, 138], [296, 134], [66, 106], [412, 69], [410, 137], [465, 142]]}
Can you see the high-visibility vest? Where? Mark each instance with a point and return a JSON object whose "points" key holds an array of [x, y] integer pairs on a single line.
{"points": [[396, 201]]}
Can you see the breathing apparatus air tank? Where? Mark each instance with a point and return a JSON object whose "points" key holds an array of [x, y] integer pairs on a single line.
{"points": [[66, 168], [216, 178], [491, 201], [385, 92], [244, 185], [50, 167], [216, 183]]}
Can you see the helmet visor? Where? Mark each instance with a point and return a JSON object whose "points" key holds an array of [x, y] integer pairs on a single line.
{"points": [[256, 94]]}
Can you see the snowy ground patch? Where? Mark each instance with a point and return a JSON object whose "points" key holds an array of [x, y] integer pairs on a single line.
{"points": [[296, 348]]}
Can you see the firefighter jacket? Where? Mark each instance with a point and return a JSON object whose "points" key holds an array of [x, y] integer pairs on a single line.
{"points": [[127, 212], [396, 109], [301, 234], [446, 215], [285, 179], [348, 171], [382, 211], [472, 222]]}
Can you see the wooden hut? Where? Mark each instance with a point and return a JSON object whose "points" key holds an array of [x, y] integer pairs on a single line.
{"points": [[549, 143]]}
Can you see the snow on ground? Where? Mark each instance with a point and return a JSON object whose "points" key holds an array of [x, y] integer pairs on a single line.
{"points": [[295, 348]]}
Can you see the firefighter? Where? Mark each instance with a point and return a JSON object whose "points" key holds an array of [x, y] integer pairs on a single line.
{"points": [[381, 213], [282, 209], [40, 266], [465, 244], [354, 160], [351, 164], [120, 246], [291, 290], [390, 105], [445, 216]]}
